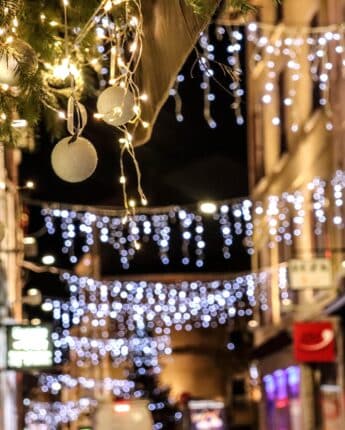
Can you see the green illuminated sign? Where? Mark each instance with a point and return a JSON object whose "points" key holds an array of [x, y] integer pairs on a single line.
{"points": [[29, 347]]}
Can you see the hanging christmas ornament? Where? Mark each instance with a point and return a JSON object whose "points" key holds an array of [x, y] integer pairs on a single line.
{"points": [[17, 62], [116, 105], [74, 158]]}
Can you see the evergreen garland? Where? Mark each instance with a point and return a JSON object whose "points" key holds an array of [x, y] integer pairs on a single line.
{"points": [[242, 6], [34, 93]]}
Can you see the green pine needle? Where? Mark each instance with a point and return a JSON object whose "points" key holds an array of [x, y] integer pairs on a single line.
{"points": [[201, 7]]}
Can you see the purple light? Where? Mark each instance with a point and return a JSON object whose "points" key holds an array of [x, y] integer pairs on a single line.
{"points": [[270, 387], [280, 378], [294, 379]]}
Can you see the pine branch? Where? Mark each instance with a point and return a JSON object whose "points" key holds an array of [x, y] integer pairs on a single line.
{"points": [[243, 6], [201, 7]]}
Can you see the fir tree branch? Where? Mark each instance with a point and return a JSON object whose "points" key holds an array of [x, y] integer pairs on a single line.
{"points": [[243, 6]]}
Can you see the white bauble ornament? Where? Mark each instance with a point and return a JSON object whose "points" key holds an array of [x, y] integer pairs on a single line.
{"points": [[116, 105], [74, 161]]}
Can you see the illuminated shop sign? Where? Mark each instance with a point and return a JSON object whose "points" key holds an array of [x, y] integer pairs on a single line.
{"points": [[29, 347], [207, 415], [314, 342], [314, 273]]}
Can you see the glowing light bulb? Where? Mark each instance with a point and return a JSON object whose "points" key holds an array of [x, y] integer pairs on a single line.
{"points": [[30, 185], [66, 68], [108, 6], [253, 324], [19, 123], [47, 307], [122, 407], [208, 207], [134, 21], [48, 260], [33, 292], [133, 47]]}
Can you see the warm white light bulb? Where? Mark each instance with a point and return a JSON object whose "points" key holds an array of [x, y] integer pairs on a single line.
{"points": [[66, 68], [48, 260], [47, 307], [33, 292], [208, 207], [30, 185]]}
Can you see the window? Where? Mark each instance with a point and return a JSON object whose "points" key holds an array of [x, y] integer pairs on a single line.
{"points": [[258, 142], [279, 12], [283, 144]]}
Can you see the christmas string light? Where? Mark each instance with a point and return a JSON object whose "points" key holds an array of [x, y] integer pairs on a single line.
{"points": [[54, 384], [111, 44], [90, 351], [124, 238], [279, 217], [160, 306], [142, 305], [207, 60], [120, 104], [273, 47], [57, 413], [338, 184], [294, 47]]}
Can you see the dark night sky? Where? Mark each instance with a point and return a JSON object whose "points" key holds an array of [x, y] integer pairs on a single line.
{"points": [[182, 164]]}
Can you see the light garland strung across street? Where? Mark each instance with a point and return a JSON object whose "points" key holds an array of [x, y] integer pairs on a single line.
{"points": [[300, 50], [55, 383], [57, 413], [163, 306], [279, 219], [234, 222], [120, 388], [90, 351], [208, 62], [275, 48]]}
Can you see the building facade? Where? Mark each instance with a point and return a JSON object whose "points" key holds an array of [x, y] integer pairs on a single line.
{"points": [[296, 146], [11, 254]]}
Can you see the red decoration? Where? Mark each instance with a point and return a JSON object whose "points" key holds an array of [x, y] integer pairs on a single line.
{"points": [[314, 342]]}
